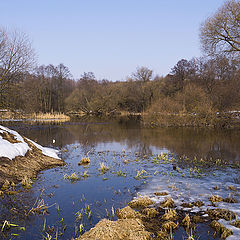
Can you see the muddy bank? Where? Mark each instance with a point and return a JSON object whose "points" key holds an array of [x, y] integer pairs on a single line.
{"points": [[20, 158]]}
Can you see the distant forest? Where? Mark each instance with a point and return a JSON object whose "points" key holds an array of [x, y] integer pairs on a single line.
{"points": [[199, 86]]}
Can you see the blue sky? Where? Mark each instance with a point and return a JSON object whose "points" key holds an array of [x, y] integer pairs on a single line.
{"points": [[110, 37]]}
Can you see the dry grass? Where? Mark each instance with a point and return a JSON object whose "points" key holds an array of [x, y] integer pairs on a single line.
{"points": [[186, 221], [160, 193], [9, 137], [127, 212], [236, 223], [131, 229], [73, 177], [198, 203], [84, 161], [232, 188], [230, 199], [169, 226], [26, 182], [150, 212], [140, 202], [217, 214], [215, 198], [187, 205], [50, 116], [220, 229], [39, 207], [169, 215], [167, 203]]}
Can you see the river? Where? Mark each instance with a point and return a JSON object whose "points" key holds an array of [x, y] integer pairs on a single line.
{"points": [[204, 159]]}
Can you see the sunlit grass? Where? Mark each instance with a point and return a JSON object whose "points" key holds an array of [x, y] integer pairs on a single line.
{"points": [[103, 168]]}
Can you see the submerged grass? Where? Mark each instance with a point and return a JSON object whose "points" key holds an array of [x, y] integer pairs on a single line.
{"points": [[84, 161], [103, 168], [73, 177]]}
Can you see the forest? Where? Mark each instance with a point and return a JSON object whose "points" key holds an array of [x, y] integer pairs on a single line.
{"points": [[195, 92]]}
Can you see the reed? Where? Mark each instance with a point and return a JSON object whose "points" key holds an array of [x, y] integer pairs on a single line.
{"points": [[50, 116]]}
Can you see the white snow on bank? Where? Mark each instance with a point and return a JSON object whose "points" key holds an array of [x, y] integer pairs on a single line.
{"points": [[12, 150], [46, 151]]}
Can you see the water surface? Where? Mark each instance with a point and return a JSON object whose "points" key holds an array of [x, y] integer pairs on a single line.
{"points": [[205, 158]]}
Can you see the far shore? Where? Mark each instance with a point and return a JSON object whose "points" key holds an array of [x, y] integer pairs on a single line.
{"points": [[218, 120]]}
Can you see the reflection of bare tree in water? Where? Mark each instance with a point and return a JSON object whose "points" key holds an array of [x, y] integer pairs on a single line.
{"points": [[139, 147], [202, 143]]}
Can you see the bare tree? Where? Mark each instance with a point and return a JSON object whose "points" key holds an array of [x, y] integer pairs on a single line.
{"points": [[220, 33], [142, 74], [16, 56]]}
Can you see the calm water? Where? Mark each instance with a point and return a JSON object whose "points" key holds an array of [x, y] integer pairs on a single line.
{"points": [[125, 148]]}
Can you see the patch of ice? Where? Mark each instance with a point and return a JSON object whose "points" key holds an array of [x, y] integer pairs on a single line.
{"points": [[190, 190], [236, 231]]}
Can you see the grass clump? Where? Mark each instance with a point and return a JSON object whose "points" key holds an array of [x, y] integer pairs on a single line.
{"points": [[85, 174], [236, 223], [84, 161], [220, 229], [198, 203], [217, 214], [140, 202], [127, 212], [103, 168], [141, 174], [79, 216], [169, 215], [215, 198], [73, 177], [160, 193], [230, 199], [232, 188], [150, 212], [167, 203], [169, 226], [186, 222], [6, 185], [131, 229], [39, 207], [26, 182], [187, 205]]}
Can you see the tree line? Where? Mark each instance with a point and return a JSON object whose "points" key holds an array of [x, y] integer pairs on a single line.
{"points": [[201, 86]]}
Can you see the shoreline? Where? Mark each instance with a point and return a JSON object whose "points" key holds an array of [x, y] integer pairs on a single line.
{"points": [[22, 159]]}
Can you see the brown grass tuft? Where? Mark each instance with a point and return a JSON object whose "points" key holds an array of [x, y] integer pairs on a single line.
{"points": [[131, 229], [140, 202]]}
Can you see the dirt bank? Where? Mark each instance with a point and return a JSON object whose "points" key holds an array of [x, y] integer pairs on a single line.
{"points": [[15, 168]]}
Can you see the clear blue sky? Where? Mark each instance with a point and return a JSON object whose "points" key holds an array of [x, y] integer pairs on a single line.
{"points": [[110, 37]]}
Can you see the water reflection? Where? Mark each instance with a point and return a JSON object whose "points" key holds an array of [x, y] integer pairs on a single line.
{"points": [[202, 143]]}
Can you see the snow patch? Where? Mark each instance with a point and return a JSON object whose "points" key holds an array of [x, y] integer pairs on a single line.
{"points": [[12, 150]]}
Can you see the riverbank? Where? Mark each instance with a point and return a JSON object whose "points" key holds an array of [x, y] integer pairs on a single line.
{"points": [[21, 158], [18, 115], [225, 120], [217, 120]]}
